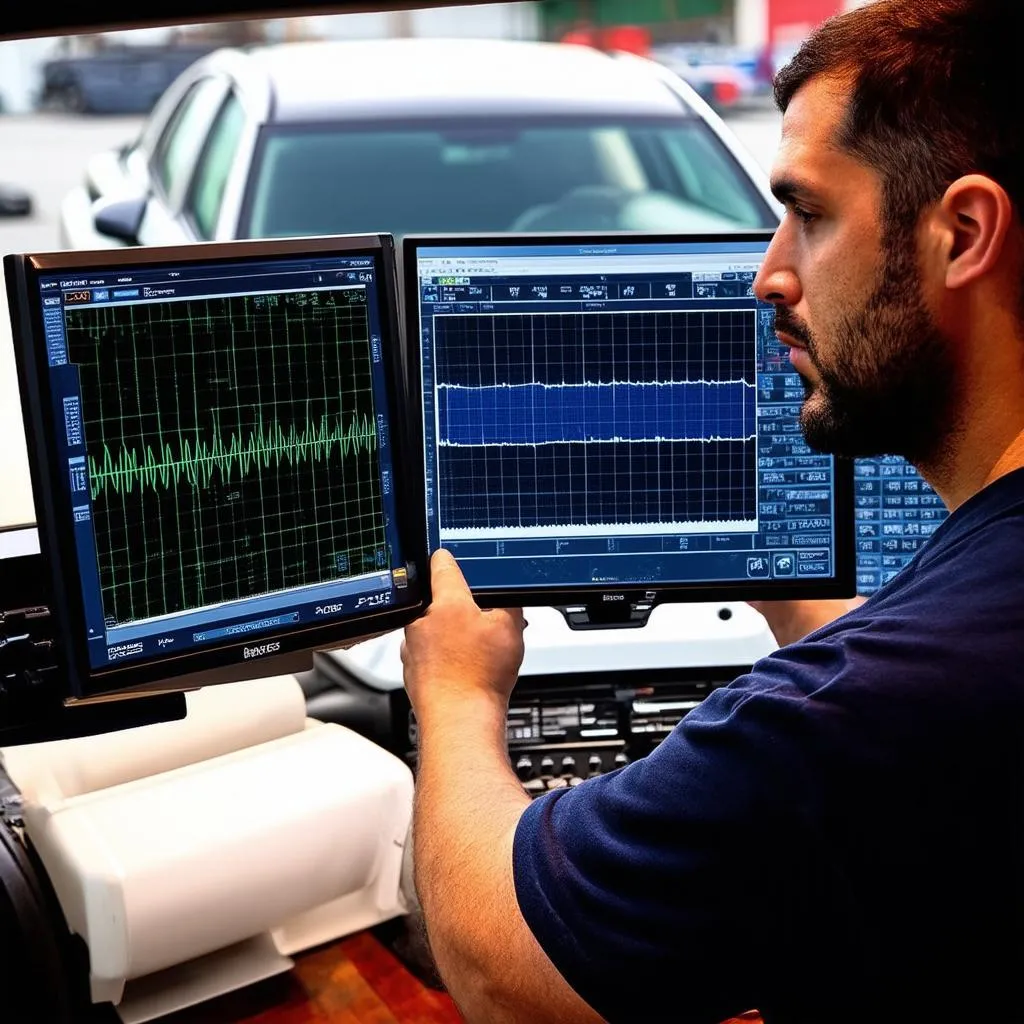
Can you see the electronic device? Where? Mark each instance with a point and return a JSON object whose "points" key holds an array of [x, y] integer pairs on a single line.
{"points": [[895, 512], [218, 447], [610, 422], [582, 705], [560, 729]]}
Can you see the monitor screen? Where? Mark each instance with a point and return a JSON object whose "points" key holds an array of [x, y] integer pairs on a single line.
{"points": [[216, 436], [605, 414], [895, 512]]}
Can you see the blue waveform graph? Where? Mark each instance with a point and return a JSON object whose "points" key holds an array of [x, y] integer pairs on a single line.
{"points": [[601, 412], [582, 423]]}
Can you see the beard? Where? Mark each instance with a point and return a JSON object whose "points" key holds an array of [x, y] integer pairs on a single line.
{"points": [[888, 382]]}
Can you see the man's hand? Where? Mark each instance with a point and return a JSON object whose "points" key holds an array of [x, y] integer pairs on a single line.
{"points": [[460, 666], [790, 621], [455, 650]]}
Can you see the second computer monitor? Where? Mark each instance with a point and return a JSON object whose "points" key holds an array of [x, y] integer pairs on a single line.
{"points": [[607, 415]]}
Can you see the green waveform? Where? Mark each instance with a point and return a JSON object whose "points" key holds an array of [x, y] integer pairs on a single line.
{"points": [[196, 460]]}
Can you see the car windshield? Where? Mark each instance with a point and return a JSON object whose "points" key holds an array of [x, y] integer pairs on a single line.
{"points": [[652, 175]]}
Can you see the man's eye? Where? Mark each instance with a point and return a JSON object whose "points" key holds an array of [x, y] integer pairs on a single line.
{"points": [[805, 216]]}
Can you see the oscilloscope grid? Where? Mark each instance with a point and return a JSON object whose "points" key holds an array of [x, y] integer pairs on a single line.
{"points": [[231, 445], [595, 419]]}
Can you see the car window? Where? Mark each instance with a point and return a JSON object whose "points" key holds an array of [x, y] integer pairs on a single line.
{"points": [[178, 146], [317, 179], [215, 166], [704, 168]]}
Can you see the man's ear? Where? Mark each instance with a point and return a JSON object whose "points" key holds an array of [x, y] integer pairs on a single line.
{"points": [[971, 224]]}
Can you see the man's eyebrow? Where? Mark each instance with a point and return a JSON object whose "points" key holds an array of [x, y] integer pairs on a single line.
{"points": [[789, 190]]}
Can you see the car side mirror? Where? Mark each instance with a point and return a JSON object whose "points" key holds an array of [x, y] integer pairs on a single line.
{"points": [[120, 218]]}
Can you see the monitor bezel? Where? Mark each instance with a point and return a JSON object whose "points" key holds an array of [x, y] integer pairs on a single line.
{"points": [[219, 662], [842, 584]]}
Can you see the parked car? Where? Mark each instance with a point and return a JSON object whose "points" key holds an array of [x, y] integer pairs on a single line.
{"points": [[419, 135], [118, 80], [14, 201]]}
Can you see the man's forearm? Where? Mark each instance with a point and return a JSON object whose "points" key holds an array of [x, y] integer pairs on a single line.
{"points": [[468, 802]]}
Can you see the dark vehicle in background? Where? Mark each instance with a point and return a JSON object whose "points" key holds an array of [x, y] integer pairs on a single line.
{"points": [[116, 80], [14, 201], [458, 135]]}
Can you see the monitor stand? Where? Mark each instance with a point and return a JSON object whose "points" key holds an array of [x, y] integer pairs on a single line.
{"points": [[610, 611]]}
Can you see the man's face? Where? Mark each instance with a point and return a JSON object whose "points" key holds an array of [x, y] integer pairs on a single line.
{"points": [[877, 371]]}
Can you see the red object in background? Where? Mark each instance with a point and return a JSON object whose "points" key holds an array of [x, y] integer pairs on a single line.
{"points": [[726, 93], [628, 38], [580, 37], [791, 20]]}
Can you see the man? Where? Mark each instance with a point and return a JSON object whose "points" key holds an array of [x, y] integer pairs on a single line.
{"points": [[837, 836]]}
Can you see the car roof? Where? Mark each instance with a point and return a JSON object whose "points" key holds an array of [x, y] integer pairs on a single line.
{"points": [[312, 81]]}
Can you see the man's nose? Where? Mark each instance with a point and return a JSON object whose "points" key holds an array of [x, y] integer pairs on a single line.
{"points": [[777, 281]]}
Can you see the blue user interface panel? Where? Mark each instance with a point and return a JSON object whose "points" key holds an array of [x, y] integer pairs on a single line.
{"points": [[615, 414], [223, 427], [895, 512]]}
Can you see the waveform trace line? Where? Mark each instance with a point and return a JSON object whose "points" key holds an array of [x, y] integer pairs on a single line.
{"points": [[543, 413], [444, 443], [592, 384], [197, 463]]}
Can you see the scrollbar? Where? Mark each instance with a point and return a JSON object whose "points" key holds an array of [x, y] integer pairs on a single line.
{"points": [[242, 628]]}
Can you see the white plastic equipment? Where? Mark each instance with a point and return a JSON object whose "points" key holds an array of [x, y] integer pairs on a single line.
{"points": [[700, 635], [193, 857]]}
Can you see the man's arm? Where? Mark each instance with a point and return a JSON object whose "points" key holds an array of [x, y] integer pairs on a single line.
{"points": [[460, 667]]}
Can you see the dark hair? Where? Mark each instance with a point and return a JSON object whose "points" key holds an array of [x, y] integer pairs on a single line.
{"points": [[935, 93]]}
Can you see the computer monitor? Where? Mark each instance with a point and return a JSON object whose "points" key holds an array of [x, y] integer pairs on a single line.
{"points": [[611, 419], [217, 437], [895, 512]]}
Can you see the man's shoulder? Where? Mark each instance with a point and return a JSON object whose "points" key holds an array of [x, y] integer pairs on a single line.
{"points": [[985, 531], [918, 642]]}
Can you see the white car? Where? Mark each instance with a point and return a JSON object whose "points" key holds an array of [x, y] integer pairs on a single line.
{"points": [[413, 136], [419, 135]]}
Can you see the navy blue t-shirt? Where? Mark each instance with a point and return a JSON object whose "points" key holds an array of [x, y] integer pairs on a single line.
{"points": [[837, 836]]}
